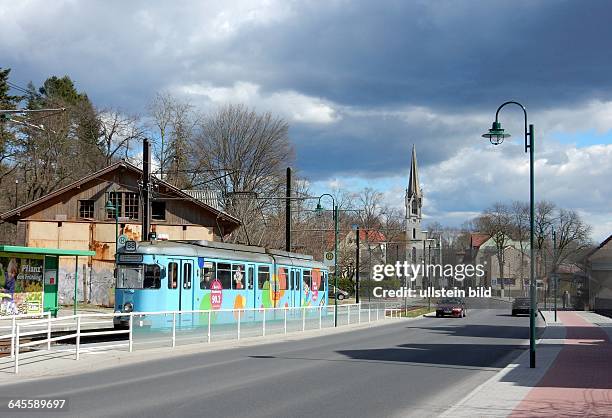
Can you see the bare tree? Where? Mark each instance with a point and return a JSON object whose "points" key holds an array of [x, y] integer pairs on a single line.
{"points": [[497, 223], [118, 133], [242, 152], [573, 236], [520, 232]]}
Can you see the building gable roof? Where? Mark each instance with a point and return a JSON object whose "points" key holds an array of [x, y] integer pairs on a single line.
{"points": [[12, 215]]}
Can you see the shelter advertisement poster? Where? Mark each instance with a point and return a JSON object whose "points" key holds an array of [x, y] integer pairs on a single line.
{"points": [[21, 284]]}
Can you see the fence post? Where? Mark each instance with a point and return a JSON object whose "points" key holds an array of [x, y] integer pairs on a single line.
{"points": [[320, 316], [17, 351], [49, 334], [369, 313], [13, 330], [348, 314], [173, 329], [238, 324], [264, 324], [131, 335], [209, 318], [78, 337], [285, 321]]}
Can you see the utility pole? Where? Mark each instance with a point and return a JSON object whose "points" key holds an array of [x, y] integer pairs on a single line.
{"points": [[288, 212], [357, 266], [554, 272], [146, 180]]}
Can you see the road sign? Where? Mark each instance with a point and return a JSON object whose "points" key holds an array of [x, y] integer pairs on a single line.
{"points": [[121, 240], [328, 258]]}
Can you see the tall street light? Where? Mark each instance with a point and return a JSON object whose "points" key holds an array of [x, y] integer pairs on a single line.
{"points": [[335, 208], [497, 135], [114, 209]]}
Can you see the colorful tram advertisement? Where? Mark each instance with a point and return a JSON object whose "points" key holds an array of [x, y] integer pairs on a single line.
{"points": [[187, 276]]}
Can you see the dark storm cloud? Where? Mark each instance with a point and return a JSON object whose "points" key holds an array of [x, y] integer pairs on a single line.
{"points": [[438, 54], [449, 57]]}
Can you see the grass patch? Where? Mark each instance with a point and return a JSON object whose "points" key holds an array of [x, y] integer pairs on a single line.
{"points": [[417, 312]]}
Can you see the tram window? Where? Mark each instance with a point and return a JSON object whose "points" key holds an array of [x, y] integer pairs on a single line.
{"points": [[307, 280], [208, 274], [224, 275], [172, 275], [152, 277], [250, 277], [129, 277], [291, 280], [323, 281], [263, 275], [187, 276], [282, 278], [238, 276]]}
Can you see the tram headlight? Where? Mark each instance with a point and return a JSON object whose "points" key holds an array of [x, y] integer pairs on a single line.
{"points": [[128, 307]]}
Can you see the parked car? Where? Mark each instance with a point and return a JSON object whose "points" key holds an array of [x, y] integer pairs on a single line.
{"points": [[452, 307], [340, 294], [521, 306]]}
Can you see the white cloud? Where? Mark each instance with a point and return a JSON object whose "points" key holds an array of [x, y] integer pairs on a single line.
{"points": [[292, 105]]}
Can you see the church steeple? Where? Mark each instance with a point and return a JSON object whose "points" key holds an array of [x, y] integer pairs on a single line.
{"points": [[414, 188], [414, 195]]}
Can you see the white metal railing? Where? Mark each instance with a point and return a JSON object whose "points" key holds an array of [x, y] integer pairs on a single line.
{"points": [[13, 326], [190, 324]]}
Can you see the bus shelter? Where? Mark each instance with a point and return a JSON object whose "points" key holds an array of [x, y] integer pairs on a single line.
{"points": [[29, 279]]}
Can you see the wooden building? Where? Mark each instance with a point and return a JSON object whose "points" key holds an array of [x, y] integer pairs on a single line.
{"points": [[75, 217]]}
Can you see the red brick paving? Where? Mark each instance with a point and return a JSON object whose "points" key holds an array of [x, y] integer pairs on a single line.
{"points": [[579, 382]]}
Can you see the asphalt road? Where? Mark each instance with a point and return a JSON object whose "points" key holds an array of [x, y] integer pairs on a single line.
{"points": [[408, 368]]}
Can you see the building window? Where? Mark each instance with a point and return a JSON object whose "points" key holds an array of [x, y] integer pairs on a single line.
{"points": [[116, 199], [158, 211], [131, 205], [413, 233], [86, 209]]}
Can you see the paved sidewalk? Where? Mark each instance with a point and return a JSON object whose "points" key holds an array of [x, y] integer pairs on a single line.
{"points": [[573, 374]]}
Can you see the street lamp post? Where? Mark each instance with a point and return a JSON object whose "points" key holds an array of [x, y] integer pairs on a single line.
{"points": [[112, 208], [496, 136], [320, 208]]}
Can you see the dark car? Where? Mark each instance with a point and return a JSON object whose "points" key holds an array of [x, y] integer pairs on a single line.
{"points": [[340, 294], [451, 307], [520, 306]]}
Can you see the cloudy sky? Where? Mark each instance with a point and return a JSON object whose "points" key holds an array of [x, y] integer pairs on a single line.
{"points": [[360, 82]]}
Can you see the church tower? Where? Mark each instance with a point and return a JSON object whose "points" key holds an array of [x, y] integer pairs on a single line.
{"points": [[415, 237], [414, 205]]}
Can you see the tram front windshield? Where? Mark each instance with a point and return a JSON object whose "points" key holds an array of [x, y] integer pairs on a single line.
{"points": [[138, 276]]}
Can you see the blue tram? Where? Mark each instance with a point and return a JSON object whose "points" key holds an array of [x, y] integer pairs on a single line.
{"points": [[159, 276]]}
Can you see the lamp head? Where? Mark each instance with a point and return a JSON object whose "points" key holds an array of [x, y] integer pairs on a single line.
{"points": [[109, 206], [496, 134], [319, 208]]}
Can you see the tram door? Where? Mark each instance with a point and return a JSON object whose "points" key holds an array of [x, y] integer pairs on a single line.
{"points": [[187, 272], [251, 286], [296, 280], [180, 283]]}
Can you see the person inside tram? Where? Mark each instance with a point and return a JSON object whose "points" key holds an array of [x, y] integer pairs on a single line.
{"points": [[238, 276], [206, 278]]}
